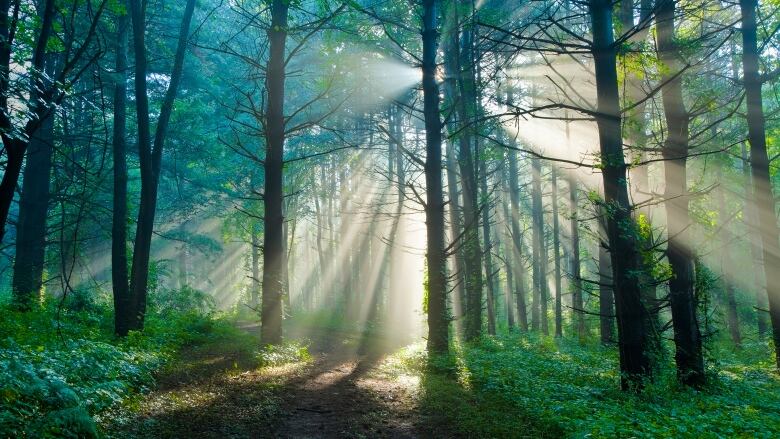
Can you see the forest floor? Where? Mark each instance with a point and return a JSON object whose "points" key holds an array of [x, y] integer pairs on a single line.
{"points": [[218, 390]]}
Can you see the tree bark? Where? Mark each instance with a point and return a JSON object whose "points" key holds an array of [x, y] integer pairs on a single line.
{"points": [[254, 292], [537, 239], [687, 337], [759, 160], [606, 291], [507, 242], [16, 145], [27, 279], [119, 279], [574, 262], [434, 208], [150, 154], [273, 196], [456, 228], [634, 319], [461, 61], [514, 203], [557, 257], [726, 267], [488, 259], [754, 237]]}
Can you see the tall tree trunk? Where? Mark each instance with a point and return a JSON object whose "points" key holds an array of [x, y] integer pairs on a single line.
{"points": [[634, 319], [33, 212], [517, 241], [507, 242], [606, 289], [759, 160], [726, 268], [288, 243], [150, 155], [273, 197], [510, 284], [687, 337], [393, 303], [537, 240], [344, 252], [545, 290], [754, 237], [557, 257], [434, 207], [456, 228], [119, 280], [254, 292], [574, 262], [460, 60], [489, 277], [454, 187], [321, 257], [16, 145]]}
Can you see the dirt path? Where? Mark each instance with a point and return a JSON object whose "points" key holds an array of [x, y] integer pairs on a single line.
{"points": [[342, 396], [216, 392]]}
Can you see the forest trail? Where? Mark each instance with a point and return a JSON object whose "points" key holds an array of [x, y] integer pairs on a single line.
{"points": [[216, 391], [342, 397]]}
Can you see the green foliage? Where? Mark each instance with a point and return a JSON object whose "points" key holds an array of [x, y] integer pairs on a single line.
{"points": [[528, 386], [56, 377], [182, 300], [290, 352]]}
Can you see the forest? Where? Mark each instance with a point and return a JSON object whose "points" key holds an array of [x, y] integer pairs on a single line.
{"points": [[389, 219]]}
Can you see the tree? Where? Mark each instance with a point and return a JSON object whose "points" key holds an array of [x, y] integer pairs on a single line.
{"points": [[687, 338], [759, 162], [574, 263], [461, 96], [44, 91], [438, 320], [150, 154], [633, 317], [33, 212], [274, 259], [119, 279]]}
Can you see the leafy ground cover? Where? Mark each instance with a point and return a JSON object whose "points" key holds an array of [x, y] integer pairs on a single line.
{"points": [[63, 374], [62, 369], [530, 386]]}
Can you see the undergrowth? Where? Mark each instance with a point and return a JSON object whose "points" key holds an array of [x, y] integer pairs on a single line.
{"points": [[59, 370], [530, 386]]}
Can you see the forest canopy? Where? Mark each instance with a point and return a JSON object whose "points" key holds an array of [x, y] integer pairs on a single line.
{"points": [[395, 218]]}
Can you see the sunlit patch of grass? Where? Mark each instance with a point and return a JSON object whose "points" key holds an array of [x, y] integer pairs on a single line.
{"points": [[536, 386], [288, 352], [284, 370]]}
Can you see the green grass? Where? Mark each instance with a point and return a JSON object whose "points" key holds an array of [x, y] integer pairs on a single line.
{"points": [[530, 386]]}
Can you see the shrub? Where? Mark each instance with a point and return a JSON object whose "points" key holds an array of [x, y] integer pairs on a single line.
{"points": [[289, 352], [531, 386], [59, 369]]}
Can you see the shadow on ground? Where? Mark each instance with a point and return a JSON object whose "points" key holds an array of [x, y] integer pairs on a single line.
{"points": [[217, 390]]}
